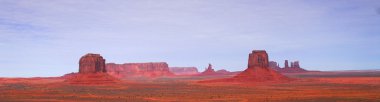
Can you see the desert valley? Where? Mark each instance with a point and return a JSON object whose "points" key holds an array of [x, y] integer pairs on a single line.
{"points": [[262, 81]]}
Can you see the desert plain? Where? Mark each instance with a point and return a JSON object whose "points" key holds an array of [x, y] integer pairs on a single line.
{"points": [[334, 86]]}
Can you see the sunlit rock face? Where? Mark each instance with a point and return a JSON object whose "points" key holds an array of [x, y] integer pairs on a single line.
{"points": [[258, 58], [92, 63]]}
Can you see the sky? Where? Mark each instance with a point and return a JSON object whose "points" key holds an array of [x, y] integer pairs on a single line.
{"points": [[47, 37]]}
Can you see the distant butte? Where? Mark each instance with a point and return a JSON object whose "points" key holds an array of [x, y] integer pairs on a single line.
{"points": [[258, 70], [293, 68], [184, 70]]}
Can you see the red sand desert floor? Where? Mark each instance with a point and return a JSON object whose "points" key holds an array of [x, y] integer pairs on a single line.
{"points": [[308, 87]]}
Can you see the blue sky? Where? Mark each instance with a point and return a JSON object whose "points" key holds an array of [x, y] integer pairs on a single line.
{"points": [[47, 37]]}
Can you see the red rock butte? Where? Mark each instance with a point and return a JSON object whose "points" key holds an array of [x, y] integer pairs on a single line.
{"points": [[92, 63], [258, 58], [258, 70], [92, 71]]}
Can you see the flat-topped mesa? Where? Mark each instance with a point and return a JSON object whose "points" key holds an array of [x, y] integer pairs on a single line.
{"points": [[92, 63], [149, 69], [184, 70], [152, 66], [258, 58], [223, 71]]}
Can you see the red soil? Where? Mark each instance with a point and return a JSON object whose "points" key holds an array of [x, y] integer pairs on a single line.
{"points": [[259, 74], [91, 79], [253, 75], [347, 89]]}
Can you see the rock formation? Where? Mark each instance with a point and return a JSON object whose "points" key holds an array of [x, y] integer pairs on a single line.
{"points": [[208, 71], [258, 70], [223, 71], [274, 65], [184, 70], [286, 64], [258, 58], [294, 64], [150, 69], [294, 67], [92, 71], [92, 63]]}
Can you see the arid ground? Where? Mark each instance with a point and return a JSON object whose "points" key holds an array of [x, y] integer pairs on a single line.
{"points": [[307, 87]]}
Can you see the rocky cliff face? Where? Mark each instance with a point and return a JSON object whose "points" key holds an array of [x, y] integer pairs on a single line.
{"points": [[258, 58], [150, 69], [92, 63], [184, 70]]}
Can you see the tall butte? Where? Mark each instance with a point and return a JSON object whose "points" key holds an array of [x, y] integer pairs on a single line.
{"points": [[92, 63], [92, 71], [258, 70]]}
